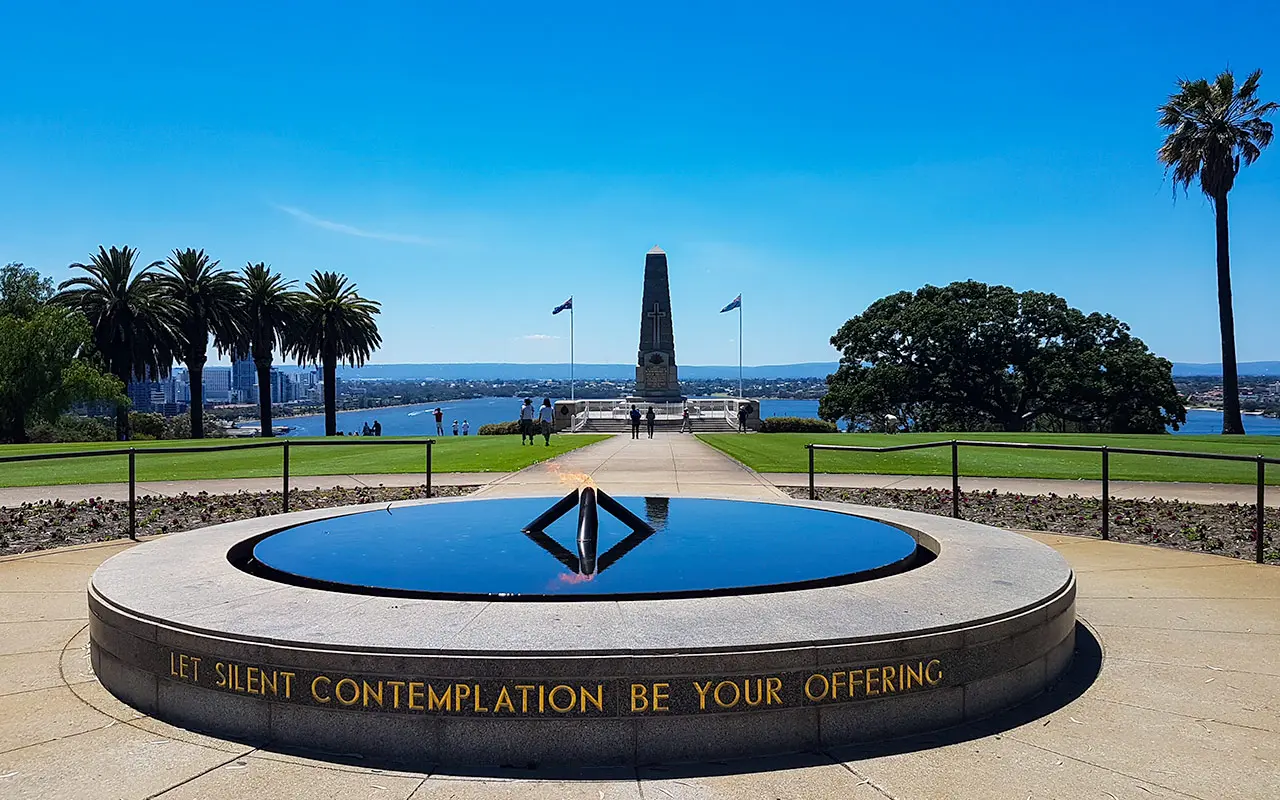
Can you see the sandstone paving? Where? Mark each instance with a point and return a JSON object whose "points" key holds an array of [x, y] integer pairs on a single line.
{"points": [[1184, 705]]}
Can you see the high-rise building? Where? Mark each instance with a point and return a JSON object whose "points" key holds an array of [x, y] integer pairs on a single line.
{"points": [[243, 379], [217, 385]]}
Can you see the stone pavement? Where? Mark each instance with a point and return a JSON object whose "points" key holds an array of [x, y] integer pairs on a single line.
{"points": [[668, 464], [1175, 693]]}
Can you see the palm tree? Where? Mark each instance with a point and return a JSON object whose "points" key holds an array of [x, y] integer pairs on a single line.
{"points": [[334, 324], [204, 301], [1214, 130], [129, 318], [270, 308]]}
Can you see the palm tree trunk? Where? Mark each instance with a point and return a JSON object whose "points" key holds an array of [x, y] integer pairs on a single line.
{"points": [[1231, 421], [195, 371], [122, 410], [330, 394], [264, 397]]}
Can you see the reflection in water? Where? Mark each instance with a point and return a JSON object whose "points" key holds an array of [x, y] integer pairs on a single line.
{"points": [[656, 510]]}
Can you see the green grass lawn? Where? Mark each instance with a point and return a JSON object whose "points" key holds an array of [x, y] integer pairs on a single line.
{"points": [[785, 452], [451, 454]]}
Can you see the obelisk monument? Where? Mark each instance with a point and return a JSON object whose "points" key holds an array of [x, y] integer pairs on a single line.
{"points": [[656, 375]]}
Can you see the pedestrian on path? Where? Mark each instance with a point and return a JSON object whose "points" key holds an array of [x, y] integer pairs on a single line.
{"points": [[742, 417], [545, 415], [635, 422], [649, 417], [526, 421], [686, 424], [439, 415]]}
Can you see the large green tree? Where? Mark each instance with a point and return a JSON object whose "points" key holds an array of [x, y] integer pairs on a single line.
{"points": [[969, 356], [44, 349], [1214, 130], [334, 324], [128, 315], [204, 302], [270, 309]]}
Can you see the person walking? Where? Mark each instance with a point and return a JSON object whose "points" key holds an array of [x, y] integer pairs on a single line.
{"points": [[545, 415], [526, 421], [649, 418], [439, 415], [466, 427], [742, 417], [686, 424], [455, 427], [635, 422]]}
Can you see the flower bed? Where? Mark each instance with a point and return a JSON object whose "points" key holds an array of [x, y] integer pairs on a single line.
{"points": [[38, 526], [1226, 530]]}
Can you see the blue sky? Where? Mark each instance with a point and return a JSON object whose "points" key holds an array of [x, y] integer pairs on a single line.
{"points": [[471, 167]]}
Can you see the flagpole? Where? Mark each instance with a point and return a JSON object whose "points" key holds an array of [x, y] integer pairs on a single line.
{"points": [[571, 388], [739, 349]]}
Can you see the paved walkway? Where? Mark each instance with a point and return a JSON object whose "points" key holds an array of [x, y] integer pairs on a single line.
{"points": [[1178, 696]]}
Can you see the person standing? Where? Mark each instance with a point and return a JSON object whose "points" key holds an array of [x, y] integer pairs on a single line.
{"points": [[466, 427], [686, 424], [649, 418], [545, 416], [635, 422], [742, 417], [455, 427], [526, 421], [439, 415]]}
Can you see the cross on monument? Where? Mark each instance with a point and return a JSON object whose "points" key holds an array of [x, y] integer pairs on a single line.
{"points": [[657, 313]]}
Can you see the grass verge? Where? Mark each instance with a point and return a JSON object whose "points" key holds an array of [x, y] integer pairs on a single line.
{"points": [[450, 454], [785, 452]]}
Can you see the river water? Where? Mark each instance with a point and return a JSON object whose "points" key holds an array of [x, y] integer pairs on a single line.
{"points": [[417, 420]]}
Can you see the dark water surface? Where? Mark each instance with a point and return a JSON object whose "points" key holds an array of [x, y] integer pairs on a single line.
{"points": [[478, 548]]}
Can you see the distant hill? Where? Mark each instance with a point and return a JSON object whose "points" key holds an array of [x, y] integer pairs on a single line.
{"points": [[617, 372], [1215, 370]]}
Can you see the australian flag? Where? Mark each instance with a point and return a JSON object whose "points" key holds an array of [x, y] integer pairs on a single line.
{"points": [[567, 304], [737, 303]]}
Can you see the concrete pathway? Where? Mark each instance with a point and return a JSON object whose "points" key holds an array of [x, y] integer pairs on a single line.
{"points": [[1186, 705], [668, 464]]}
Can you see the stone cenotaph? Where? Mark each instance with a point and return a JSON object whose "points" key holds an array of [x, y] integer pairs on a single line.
{"points": [[657, 378]]}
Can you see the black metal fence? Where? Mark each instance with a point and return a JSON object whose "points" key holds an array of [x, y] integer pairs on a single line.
{"points": [[1104, 451], [283, 444]]}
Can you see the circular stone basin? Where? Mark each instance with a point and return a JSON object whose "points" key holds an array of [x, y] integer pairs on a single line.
{"points": [[478, 549]]}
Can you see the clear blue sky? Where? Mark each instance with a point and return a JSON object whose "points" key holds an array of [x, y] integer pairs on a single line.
{"points": [[471, 167]]}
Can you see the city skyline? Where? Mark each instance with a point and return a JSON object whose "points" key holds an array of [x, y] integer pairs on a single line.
{"points": [[471, 169]]}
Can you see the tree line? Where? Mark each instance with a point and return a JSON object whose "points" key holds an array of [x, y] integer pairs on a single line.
{"points": [[118, 321]]}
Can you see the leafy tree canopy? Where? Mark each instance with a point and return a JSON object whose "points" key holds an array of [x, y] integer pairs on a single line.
{"points": [[969, 356], [22, 290], [42, 372]]}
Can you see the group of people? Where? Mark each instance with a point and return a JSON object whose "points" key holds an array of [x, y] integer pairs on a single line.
{"points": [[686, 424], [439, 417], [534, 421]]}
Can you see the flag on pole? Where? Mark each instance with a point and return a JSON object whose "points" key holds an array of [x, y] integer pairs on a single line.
{"points": [[737, 303], [567, 304]]}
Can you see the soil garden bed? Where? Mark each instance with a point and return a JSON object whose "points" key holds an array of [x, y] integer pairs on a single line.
{"points": [[1225, 530], [39, 526]]}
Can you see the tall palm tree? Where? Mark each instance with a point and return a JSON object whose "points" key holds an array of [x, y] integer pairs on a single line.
{"points": [[270, 309], [129, 317], [1214, 130], [334, 324], [204, 302]]}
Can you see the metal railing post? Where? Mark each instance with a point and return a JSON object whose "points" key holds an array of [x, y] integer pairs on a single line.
{"points": [[285, 494], [955, 479], [1106, 493], [813, 492], [429, 443], [133, 506], [1260, 555]]}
